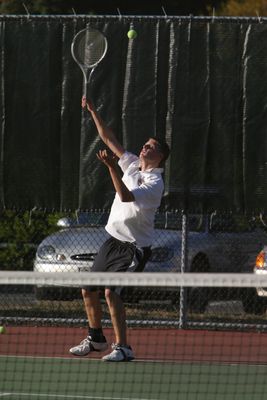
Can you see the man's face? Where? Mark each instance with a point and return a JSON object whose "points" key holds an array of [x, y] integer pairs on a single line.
{"points": [[151, 151]]}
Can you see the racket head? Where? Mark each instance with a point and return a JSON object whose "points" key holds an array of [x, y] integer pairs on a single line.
{"points": [[88, 48]]}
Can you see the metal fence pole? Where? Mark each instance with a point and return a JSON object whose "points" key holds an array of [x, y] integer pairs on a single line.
{"points": [[184, 260]]}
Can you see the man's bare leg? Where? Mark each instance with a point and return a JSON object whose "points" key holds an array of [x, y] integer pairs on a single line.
{"points": [[118, 316], [95, 341], [93, 308]]}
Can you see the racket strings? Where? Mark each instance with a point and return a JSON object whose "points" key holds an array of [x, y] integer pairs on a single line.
{"points": [[90, 48]]}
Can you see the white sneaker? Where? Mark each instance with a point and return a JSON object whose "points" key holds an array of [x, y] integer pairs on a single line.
{"points": [[87, 346], [119, 353]]}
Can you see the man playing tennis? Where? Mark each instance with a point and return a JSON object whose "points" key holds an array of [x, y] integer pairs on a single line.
{"points": [[130, 226]]}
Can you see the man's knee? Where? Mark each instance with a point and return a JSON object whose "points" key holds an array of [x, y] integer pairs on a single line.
{"points": [[111, 294], [108, 294], [88, 292], [84, 293]]}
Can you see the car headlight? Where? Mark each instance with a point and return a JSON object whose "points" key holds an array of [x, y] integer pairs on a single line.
{"points": [[46, 253], [261, 260]]}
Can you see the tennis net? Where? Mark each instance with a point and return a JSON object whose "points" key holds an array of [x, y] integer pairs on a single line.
{"points": [[181, 351]]}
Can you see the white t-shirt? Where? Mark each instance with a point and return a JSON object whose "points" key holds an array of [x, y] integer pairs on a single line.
{"points": [[134, 221]]}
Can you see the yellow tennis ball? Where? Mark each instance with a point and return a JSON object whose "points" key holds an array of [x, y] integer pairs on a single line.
{"points": [[132, 34], [2, 330]]}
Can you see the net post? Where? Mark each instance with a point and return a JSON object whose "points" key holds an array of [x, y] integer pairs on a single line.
{"points": [[184, 262]]}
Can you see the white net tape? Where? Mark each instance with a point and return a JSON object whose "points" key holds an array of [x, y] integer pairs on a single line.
{"points": [[133, 279]]}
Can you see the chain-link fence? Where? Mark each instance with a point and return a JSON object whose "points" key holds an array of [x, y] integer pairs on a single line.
{"points": [[69, 241]]}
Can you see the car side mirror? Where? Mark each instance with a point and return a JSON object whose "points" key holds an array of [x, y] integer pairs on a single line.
{"points": [[65, 222]]}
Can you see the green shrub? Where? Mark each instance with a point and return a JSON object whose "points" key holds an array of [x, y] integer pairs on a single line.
{"points": [[20, 234]]}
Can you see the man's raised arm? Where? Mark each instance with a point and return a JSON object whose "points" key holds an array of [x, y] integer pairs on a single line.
{"points": [[104, 131]]}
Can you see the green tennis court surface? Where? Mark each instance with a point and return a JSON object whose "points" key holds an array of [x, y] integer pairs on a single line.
{"points": [[55, 378]]}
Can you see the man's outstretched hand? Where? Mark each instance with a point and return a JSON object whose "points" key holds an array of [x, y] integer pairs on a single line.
{"points": [[107, 158]]}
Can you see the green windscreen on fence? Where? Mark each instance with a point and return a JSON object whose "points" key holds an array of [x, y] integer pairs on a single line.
{"points": [[200, 83]]}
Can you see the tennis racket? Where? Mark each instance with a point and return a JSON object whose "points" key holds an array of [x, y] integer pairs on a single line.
{"points": [[88, 48]]}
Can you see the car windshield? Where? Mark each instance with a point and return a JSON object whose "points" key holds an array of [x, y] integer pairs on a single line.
{"points": [[92, 218], [231, 223], [163, 220], [172, 220]]}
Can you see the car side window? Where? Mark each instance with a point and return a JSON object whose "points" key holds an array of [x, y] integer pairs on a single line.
{"points": [[172, 220], [229, 223]]}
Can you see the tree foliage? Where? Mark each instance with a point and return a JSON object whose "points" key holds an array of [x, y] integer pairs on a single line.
{"points": [[20, 233], [248, 8]]}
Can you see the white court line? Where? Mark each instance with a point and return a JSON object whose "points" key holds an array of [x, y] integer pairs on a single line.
{"points": [[61, 396], [78, 359], [49, 358], [139, 360]]}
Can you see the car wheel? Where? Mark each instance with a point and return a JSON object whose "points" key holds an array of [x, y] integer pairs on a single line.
{"points": [[198, 298], [252, 303], [42, 293], [59, 293]]}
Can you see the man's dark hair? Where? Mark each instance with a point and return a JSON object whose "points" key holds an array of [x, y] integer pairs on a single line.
{"points": [[164, 148]]}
